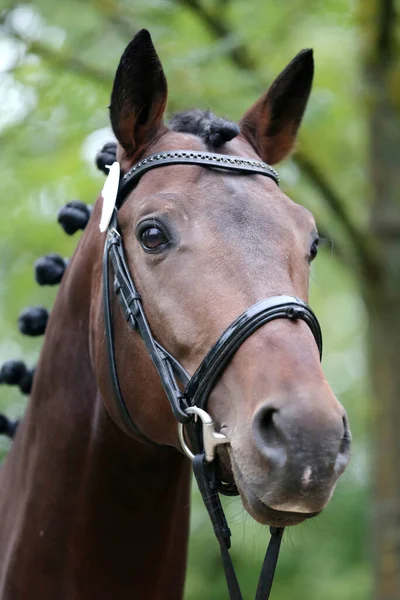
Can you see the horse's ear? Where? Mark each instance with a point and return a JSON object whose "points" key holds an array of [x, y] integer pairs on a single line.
{"points": [[271, 124], [139, 95]]}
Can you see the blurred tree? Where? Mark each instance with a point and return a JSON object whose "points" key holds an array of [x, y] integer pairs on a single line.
{"points": [[381, 55], [57, 62]]}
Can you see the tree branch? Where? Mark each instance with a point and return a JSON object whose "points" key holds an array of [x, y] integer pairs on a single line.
{"points": [[240, 53], [386, 30], [360, 241]]}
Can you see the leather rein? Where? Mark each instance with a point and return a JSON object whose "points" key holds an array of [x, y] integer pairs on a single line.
{"points": [[190, 406]]}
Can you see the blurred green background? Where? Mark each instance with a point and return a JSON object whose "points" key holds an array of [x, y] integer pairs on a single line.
{"points": [[57, 61]]}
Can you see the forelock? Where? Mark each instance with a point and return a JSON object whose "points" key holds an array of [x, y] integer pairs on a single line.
{"points": [[212, 129]]}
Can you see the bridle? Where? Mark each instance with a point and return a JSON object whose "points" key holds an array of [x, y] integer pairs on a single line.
{"points": [[190, 406]]}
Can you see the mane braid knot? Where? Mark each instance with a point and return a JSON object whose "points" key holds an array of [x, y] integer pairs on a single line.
{"points": [[8, 427], [73, 216], [32, 321], [15, 372], [106, 156], [49, 269]]}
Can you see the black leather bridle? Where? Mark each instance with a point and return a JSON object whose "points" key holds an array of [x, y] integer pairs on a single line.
{"points": [[192, 402]]}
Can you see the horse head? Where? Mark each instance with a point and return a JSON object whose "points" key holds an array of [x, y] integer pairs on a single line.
{"points": [[203, 245]]}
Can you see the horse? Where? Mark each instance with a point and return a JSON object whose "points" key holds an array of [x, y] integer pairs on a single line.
{"points": [[202, 250]]}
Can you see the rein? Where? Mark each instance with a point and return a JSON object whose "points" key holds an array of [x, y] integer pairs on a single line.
{"points": [[189, 407]]}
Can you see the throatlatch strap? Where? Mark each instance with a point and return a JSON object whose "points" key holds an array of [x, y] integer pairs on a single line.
{"points": [[206, 482]]}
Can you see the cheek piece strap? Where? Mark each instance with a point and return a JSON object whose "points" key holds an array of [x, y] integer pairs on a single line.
{"points": [[190, 406]]}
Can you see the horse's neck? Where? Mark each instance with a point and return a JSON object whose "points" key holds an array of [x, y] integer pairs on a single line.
{"points": [[86, 512]]}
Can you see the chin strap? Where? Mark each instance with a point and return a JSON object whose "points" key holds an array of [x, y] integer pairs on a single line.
{"points": [[207, 484]]}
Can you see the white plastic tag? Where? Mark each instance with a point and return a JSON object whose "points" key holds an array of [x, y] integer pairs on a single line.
{"points": [[109, 195]]}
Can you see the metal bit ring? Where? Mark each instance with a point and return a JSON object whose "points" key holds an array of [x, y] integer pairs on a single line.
{"points": [[211, 438]]}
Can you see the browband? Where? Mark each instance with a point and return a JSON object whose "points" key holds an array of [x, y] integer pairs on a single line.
{"points": [[184, 157]]}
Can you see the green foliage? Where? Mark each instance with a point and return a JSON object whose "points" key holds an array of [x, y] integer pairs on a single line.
{"points": [[58, 61]]}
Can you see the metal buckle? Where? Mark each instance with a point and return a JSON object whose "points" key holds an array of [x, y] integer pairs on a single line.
{"points": [[113, 233], [211, 438]]}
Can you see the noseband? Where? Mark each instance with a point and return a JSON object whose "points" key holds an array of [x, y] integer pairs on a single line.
{"points": [[190, 406]]}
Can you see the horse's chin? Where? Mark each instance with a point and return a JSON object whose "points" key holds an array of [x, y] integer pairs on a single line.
{"points": [[265, 514], [257, 509]]}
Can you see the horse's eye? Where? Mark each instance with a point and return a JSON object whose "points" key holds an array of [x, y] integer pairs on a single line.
{"points": [[314, 249], [153, 238]]}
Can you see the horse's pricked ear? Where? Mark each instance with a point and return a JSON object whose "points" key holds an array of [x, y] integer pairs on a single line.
{"points": [[271, 124], [139, 95]]}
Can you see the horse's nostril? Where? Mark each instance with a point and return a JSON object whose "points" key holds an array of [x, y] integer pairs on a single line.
{"points": [[266, 419], [268, 436]]}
